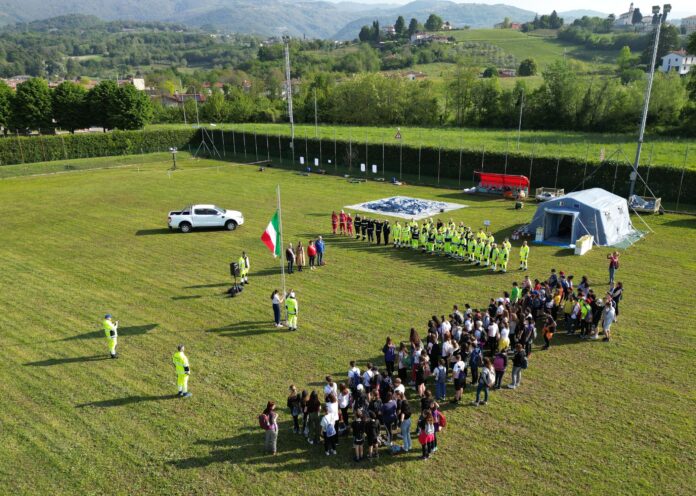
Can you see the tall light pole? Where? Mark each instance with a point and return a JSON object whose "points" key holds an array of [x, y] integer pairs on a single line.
{"points": [[288, 90], [658, 19], [519, 125]]}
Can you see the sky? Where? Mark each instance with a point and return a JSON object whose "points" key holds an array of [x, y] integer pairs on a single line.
{"points": [[680, 8]]}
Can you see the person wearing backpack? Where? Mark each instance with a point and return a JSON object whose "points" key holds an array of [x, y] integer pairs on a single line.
{"points": [[328, 430], [486, 381], [475, 358], [294, 400], [313, 409], [499, 365], [354, 377], [426, 437], [519, 363], [388, 414], [440, 375], [268, 421], [439, 422], [404, 358]]}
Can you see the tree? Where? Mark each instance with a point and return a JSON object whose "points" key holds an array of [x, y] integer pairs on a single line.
{"points": [[490, 72], [554, 22], [133, 108], [506, 23], [669, 40], [459, 91], [637, 17], [376, 32], [528, 67], [434, 23], [400, 26], [365, 34], [31, 106], [101, 102], [215, 107], [413, 26], [69, 102], [5, 110]]}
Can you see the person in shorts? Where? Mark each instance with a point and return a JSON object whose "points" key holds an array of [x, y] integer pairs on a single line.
{"points": [[358, 429]]}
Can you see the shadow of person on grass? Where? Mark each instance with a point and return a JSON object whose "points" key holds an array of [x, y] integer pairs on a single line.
{"points": [[213, 285], [294, 453], [122, 331], [128, 400], [63, 361], [247, 328]]}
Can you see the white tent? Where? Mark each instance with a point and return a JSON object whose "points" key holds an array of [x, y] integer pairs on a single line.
{"points": [[592, 211]]}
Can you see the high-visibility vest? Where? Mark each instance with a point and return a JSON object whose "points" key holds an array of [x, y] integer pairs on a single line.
{"points": [[180, 362], [291, 306], [524, 252], [108, 327]]}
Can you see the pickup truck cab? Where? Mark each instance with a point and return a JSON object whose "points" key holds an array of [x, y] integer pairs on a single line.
{"points": [[206, 216]]}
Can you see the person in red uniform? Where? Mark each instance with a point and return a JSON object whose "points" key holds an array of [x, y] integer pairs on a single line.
{"points": [[342, 219], [349, 224], [334, 221]]}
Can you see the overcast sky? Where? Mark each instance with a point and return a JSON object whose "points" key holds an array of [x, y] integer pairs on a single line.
{"points": [[680, 8]]}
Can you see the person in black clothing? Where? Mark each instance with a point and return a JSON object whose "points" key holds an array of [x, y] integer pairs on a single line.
{"points": [[371, 230], [415, 236], [439, 224], [363, 227], [379, 225], [290, 257], [372, 434], [387, 232], [357, 225], [358, 428]]}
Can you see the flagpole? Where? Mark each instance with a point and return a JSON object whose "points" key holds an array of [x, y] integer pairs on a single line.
{"points": [[280, 223]]}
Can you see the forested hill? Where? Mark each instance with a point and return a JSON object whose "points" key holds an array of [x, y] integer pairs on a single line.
{"points": [[315, 19]]}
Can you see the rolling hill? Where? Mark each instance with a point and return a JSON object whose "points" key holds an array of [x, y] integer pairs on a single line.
{"points": [[315, 19]]}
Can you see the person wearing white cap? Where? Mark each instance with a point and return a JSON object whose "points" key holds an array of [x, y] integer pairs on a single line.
{"points": [[111, 333], [292, 308]]}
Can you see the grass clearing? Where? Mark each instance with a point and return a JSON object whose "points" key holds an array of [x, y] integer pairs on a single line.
{"points": [[590, 418]]}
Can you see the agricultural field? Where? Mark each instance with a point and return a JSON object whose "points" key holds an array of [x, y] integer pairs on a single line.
{"points": [[657, 150], [544, 49], [590, 417]]}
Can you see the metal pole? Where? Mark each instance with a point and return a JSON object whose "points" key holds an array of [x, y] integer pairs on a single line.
{"points": [[439, 155], [420, 147], [335, 152], [316, 118], [555, 183], [222, 137], [647, 175], [288, 94], [268, 150], [531, 164], [244, 140], [234, 144], [350, 150], [459, 182], [507, 147], [282, 251], [383, 158], [401, 159], [306, 147], [584, 174], [519, 125], [280, 149], [646, 98], [256, 145], [681, 181]]}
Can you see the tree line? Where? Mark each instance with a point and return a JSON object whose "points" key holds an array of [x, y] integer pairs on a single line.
{"points": [[36, 107]]}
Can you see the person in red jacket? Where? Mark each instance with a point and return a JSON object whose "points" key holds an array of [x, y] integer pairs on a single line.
{"points": [[334, 221], [342, 219], [349, 224], [312, 254]]}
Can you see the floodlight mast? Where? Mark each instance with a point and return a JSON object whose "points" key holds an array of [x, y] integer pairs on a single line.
{"points": [[658, 20], [288, 90]]}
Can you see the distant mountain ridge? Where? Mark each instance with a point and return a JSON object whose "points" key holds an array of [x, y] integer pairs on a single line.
{"points": [[316, 19]]}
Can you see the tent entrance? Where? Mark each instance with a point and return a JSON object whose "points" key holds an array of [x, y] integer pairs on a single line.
{"points": [[559, 227]]}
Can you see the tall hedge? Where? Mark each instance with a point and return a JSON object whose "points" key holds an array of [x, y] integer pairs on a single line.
{"points": [[19, 150]]}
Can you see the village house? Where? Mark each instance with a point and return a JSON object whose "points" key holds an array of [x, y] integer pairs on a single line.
{"points": [[678, 61]]}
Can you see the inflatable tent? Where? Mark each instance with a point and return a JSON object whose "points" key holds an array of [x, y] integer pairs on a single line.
{"points": [[592, 211]]}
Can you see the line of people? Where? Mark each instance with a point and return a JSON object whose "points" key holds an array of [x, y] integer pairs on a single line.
{"points": [[298, 257]]}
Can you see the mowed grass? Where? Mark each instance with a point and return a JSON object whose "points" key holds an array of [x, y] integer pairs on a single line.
{"points": [[657, 150], [590, 418]]}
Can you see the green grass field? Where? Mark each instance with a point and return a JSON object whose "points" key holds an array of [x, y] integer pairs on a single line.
{"points": [[590, 418], [657, 150]]}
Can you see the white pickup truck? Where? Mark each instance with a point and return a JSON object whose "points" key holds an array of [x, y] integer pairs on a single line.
{"points": [[194, 216]]}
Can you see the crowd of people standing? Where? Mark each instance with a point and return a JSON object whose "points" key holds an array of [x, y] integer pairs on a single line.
{"points": [[469, 349]]}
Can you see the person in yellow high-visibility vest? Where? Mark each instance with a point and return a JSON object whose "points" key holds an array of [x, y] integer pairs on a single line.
{"points": [[244, 268], [486, 253], [181, 364], [495, 253], [292, 308], [478, 251], [503, 256], [524, 255], [506, 244], [397, 234], [111, 333]]}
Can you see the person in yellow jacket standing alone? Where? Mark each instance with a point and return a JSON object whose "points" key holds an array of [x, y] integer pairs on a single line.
{"points": [[292, 308], [524, 255], [181, 364], [111, 333]]}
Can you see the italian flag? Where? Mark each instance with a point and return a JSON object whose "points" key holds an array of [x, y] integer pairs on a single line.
{"points": [[271, 236]]}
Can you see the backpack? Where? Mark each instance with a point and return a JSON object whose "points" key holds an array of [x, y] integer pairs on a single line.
{"points": [[491, 379], [355, 380], [263, 422], [475, 358], [499, 363], [525, 362], [442, 420], [330, 430]]}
